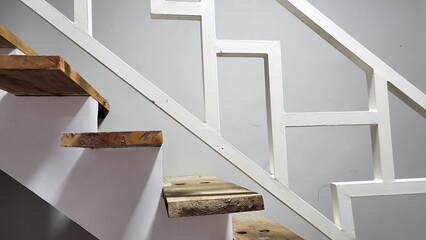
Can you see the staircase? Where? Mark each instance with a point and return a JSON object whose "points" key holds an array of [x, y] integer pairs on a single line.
{"points": [[110, 183], [380, 78]]}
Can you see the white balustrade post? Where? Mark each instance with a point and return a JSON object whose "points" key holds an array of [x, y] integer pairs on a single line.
{"points": [[275, 105], [381, 138], [83, 15], [210, 73]]}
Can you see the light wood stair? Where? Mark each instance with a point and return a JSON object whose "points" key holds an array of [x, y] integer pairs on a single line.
{"points": [[253, 227], [112, 139], [44, 76], [207, 195], [33, 75]]}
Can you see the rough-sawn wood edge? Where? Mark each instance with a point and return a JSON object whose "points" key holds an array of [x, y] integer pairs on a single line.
{"points": [[253, 227], [207, 195], [9, 37], [53, 63], [112, 139]]}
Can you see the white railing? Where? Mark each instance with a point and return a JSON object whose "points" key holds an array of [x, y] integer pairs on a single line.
{"points": [[380, 78], [83, 15]]}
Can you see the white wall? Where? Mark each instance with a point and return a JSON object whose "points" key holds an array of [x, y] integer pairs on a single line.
{"points": [[316, 78], [112, 193]]}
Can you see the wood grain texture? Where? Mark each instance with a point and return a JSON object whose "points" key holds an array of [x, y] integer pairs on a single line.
{"points": [[9, 40], [44, 76], [207, 195], [113, 139], [253, 227]]}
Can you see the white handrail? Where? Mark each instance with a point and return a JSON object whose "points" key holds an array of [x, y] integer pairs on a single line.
{"points": [[380, 78]]}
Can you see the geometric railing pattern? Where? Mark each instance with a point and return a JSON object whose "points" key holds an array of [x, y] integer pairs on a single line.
{"points": [[380, 78]]}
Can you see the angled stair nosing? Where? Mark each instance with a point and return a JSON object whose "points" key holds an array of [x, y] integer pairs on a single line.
{"points": [[207, 195], [9, 40], [253, 227], [45, 76], [112, 139]]}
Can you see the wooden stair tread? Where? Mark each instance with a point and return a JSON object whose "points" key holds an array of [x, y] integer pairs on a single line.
{"points": [[251, 227], [207, 195], [112, 139], [9, 40], [44, 76]]}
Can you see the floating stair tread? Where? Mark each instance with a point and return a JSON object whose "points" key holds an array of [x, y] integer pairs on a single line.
{"points": [[207, 195], [253, 227], [112, 139], [44, 76], [9, 40]]}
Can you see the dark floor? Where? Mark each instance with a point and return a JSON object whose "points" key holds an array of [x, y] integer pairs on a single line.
{"points": [[24, 215]]}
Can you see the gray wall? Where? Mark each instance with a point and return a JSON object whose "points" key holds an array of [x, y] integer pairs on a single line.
{"points": [[316, 78]]}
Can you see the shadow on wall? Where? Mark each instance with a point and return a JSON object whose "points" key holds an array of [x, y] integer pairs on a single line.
{"points": [[24, 215], [112, 193], [31, 129], [108, 188], [116, 194]]}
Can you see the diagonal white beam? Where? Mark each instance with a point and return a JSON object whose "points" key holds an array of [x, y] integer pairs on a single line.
{"points": [[415, 99], [355, 52], [313, 119]]}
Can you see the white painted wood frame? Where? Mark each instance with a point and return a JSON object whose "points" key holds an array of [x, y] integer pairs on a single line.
{"points": [[271, 52], [205, 12], [380, 78], [83, 15]]}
